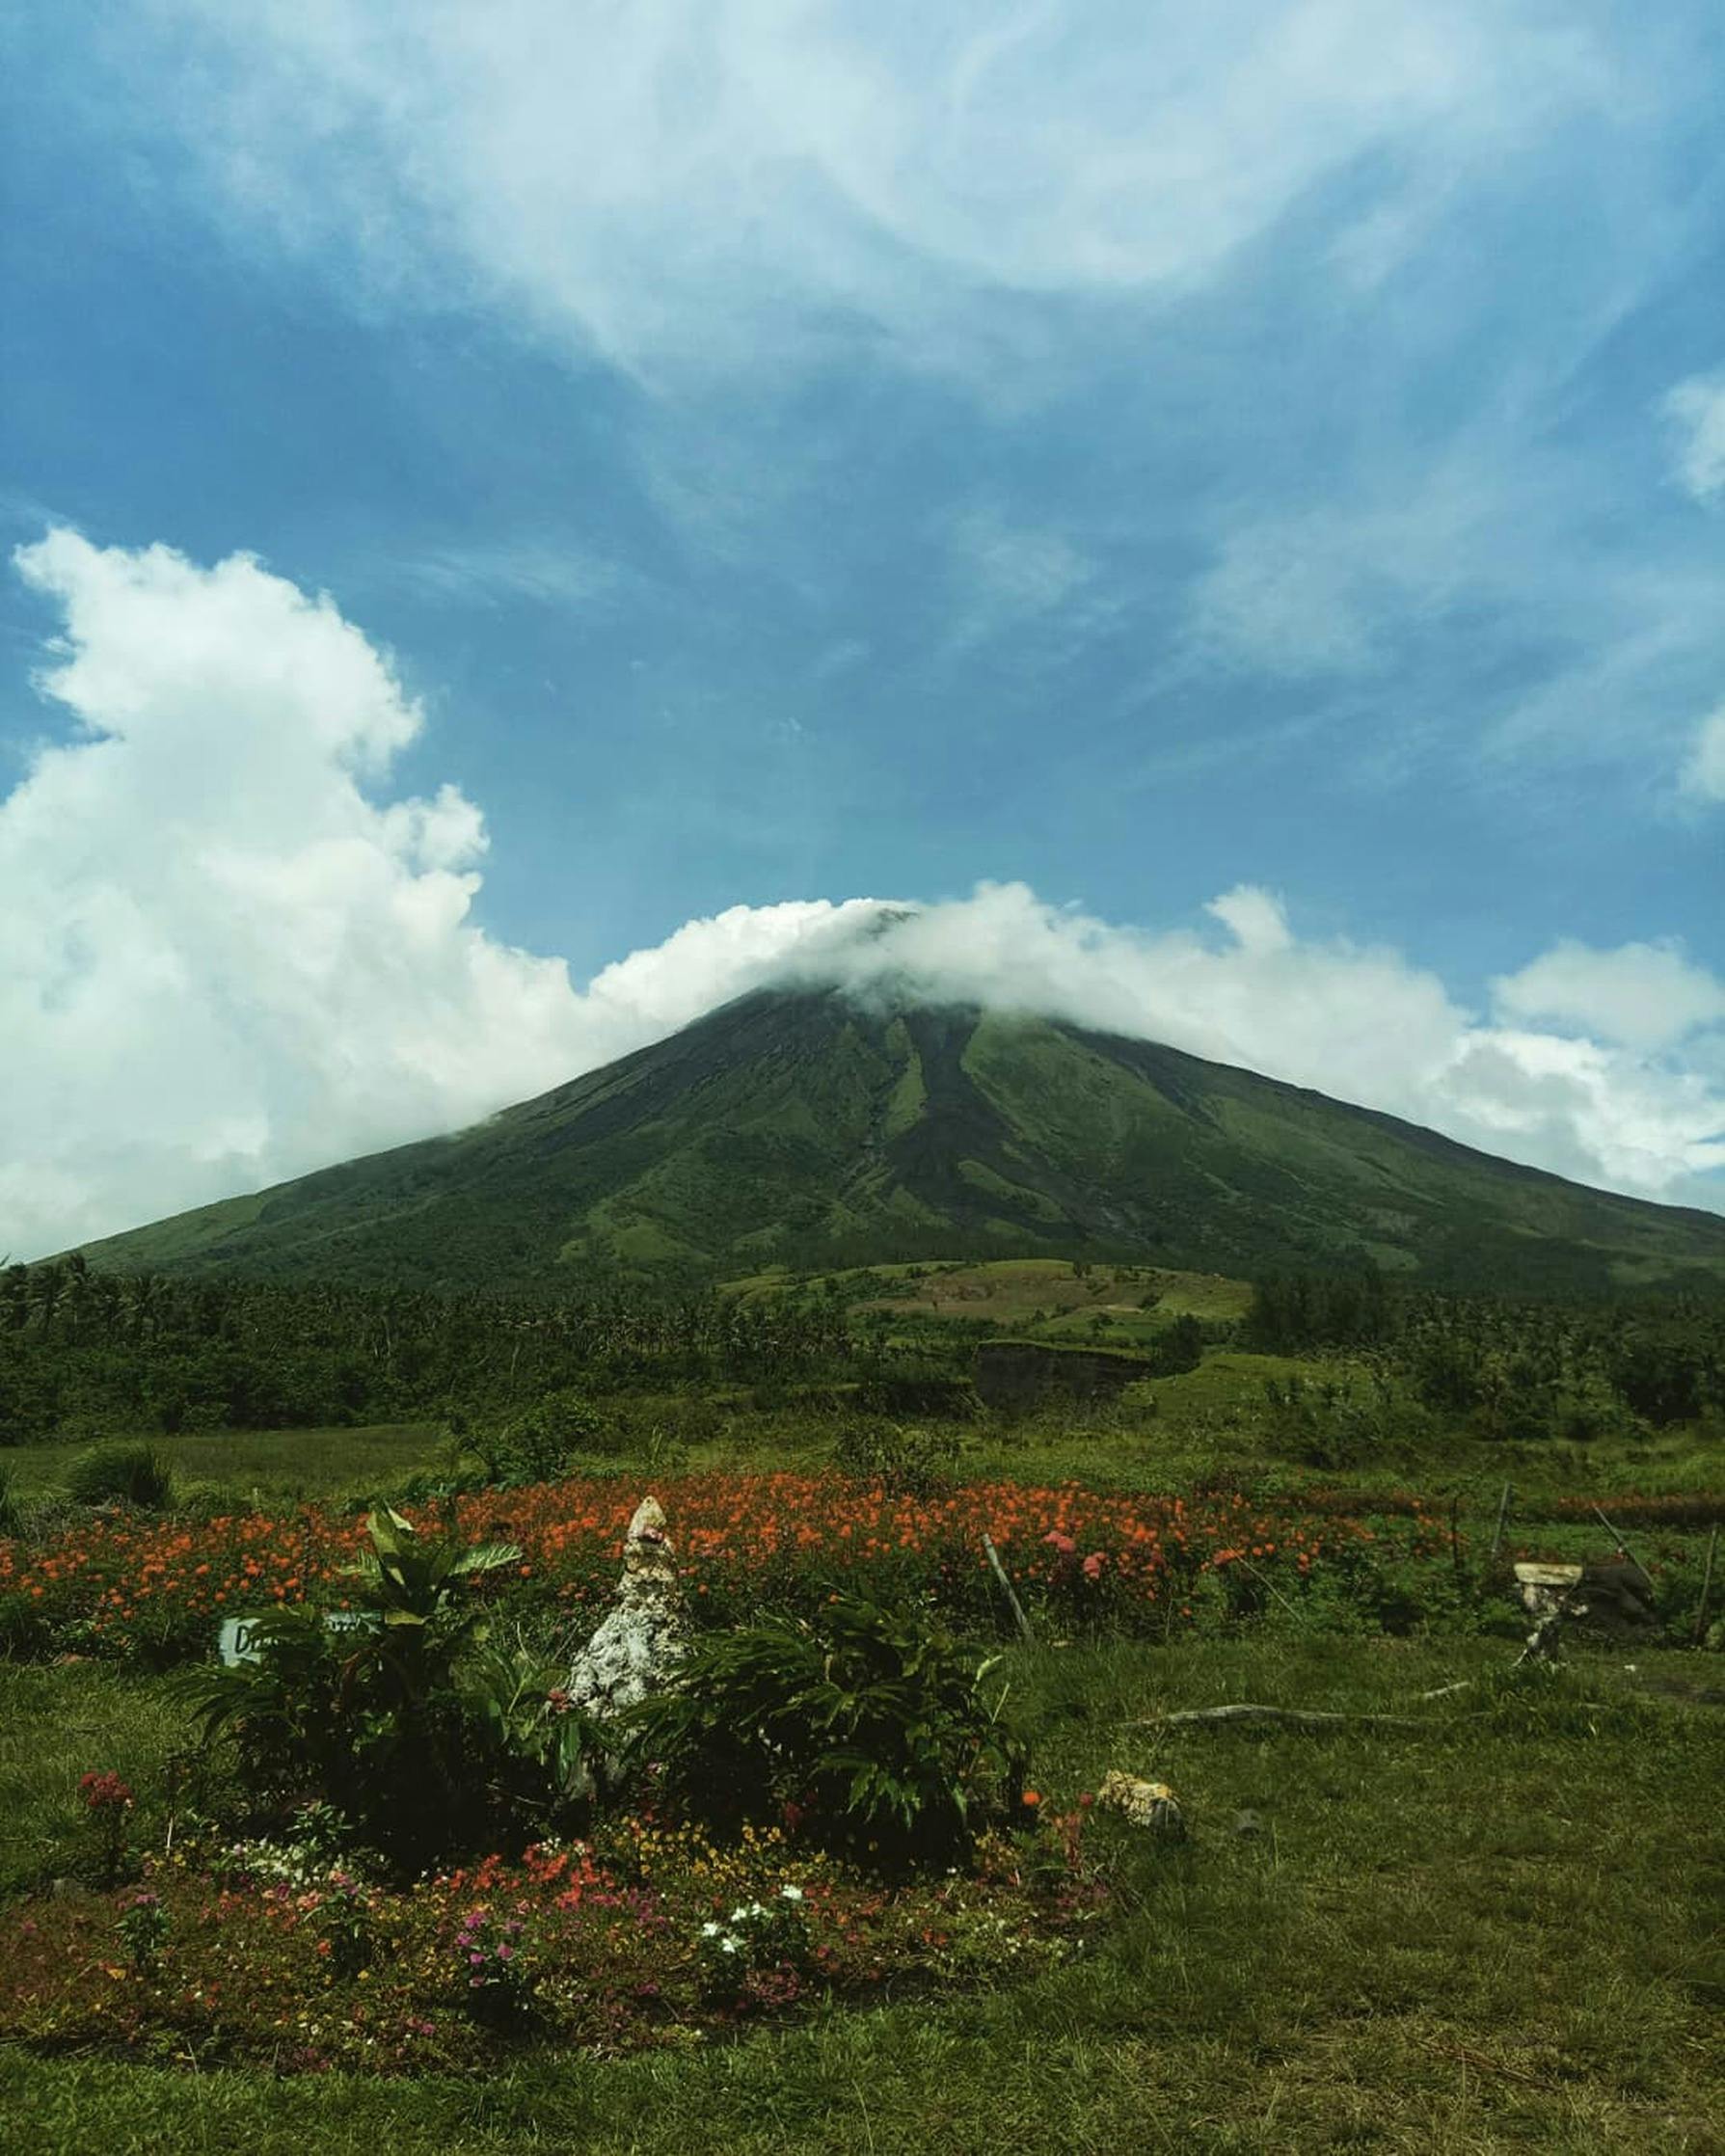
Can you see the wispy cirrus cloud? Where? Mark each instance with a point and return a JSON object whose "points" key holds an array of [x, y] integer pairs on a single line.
{"points": [[786, 165], [1696, 411]]}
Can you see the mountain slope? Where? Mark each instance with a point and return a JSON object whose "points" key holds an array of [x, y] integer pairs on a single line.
{"points": [[800, 1127]]}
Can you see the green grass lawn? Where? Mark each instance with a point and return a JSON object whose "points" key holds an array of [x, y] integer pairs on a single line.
{"points": [[1492, 1933], [1498, 1931], [278, 1463]]}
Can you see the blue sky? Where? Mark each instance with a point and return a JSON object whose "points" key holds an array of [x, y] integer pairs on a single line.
{"points": [[781, 453]]}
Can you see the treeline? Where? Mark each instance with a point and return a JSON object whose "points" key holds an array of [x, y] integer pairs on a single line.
{"points": [[82, 1350], [1509, 1369]]}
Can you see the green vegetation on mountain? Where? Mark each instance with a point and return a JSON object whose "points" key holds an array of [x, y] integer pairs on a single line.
{"points": [[805, 1130]]}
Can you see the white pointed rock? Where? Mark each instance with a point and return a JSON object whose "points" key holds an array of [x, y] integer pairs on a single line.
{"points": [[645, 1636]]}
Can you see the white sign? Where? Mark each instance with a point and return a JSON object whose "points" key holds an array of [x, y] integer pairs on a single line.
{"points": [[238, 1642]]}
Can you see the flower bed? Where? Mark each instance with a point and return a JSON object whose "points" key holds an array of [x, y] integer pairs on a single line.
{"points": [[649, 1935], [126, 1583]]}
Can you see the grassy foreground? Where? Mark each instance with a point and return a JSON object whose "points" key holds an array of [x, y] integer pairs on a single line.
{"points": [[1499, 1932]]}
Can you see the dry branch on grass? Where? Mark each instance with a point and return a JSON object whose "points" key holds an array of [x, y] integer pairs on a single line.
{"points": [[1283, 1717]]}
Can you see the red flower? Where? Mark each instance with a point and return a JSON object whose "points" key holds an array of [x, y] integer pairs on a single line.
{"points": [[104, 1791]]}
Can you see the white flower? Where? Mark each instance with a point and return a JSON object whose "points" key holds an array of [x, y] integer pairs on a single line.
{"points": [[790, 1894], [728, 1945], [709, 1931]]}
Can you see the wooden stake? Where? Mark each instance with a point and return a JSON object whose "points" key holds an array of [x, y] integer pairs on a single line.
{"points": [[1497, 1531], [1707, 1581], [1620, 1542], [999, 1573], [1268, 1585]]}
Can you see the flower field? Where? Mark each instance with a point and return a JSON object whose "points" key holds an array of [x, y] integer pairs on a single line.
{"points": [[287, 1959], [128, 1582]]}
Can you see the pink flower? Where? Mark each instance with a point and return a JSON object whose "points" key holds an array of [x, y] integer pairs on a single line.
{"points": [[1063, 1544], [1092, 1565]]}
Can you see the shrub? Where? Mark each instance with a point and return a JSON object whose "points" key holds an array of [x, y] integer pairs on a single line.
{"points": [[25, 1630], [1177, 1348], [144, 1926], [536, 1445], [408, 1717], [871, 1725], [129, 1474], [913, 1460], [919, 1386], [10, 1519]]}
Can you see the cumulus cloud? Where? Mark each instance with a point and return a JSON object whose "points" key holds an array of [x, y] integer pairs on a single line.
{"points": [[222, 960], [798, 161], [1643, 995], [228, 956], [1358, 1023], [1696, 409]]}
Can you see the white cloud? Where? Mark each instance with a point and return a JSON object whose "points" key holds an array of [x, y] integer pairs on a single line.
{"points": [[1703, 773], [223, 962], [1357, 1023], [1257, 919], [1643, 995], [1696, 408], [666, 177]]}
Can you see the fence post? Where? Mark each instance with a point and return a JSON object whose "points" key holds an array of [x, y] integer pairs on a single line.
{"points": [[999, 1573], [1497, 1531], [1707, 1582]]}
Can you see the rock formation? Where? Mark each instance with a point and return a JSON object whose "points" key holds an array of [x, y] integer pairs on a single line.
{"points": [[645, 1636]]}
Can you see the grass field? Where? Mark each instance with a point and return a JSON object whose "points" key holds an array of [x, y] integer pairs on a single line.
{"points": [[278, 1464], [1499, 1929], [1493, 1934]]}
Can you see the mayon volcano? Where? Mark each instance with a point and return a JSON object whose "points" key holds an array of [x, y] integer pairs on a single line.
{"points": [[804, 1127]]}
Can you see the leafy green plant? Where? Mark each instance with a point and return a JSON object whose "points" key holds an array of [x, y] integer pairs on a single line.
{"points": [[530, 1725], [343, 1926], [536, 1445], [130, 1474], [915, 1461], [402, 1714], [144, 1926], [871, 1727]]}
